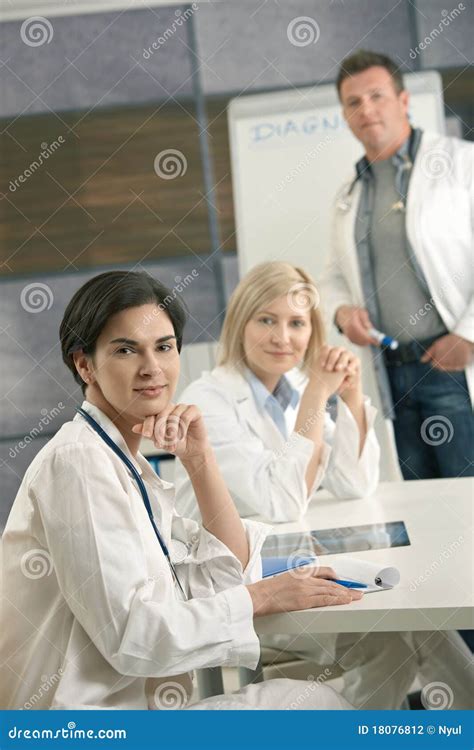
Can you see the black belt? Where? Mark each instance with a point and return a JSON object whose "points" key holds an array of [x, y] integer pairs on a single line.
{"points": [[409, 352]]}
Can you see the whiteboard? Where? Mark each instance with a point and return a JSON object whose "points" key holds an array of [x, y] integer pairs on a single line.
{"points": [[290, 153]]}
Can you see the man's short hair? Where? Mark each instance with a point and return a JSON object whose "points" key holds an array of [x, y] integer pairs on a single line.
{"points": [[363, 60]]}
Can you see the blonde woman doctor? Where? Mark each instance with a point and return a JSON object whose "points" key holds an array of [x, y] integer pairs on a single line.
{"points": [[265, 409], [266, 404]]}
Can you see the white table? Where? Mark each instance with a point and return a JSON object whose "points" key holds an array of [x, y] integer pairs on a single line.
{"points": [[436, 587]]}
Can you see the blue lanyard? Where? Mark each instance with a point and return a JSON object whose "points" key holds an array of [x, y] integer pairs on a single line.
{"points": [[141, 485]]}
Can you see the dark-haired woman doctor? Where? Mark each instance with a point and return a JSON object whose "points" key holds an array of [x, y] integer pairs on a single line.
{"points": [[95, 615]]}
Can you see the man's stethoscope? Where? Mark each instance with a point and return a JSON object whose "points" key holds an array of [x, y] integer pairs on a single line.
{"points": [[141, 486], [344, 201]]}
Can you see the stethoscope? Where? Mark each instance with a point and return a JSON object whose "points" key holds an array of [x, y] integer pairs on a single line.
{"points": [[141, 486], [344, 202]]}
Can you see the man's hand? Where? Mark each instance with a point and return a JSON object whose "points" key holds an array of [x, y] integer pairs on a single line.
{"points": [[449, 352], [355, 324]]}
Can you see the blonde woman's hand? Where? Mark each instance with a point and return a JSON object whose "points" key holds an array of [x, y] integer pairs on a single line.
{"points": [[351, 386], [333, 370], [178, 429]]}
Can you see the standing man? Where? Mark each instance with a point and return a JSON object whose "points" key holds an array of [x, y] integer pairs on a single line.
{"points": [[401, 262]]}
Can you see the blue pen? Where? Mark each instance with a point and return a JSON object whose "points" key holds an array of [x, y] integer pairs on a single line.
{"points": [[383, 339], [350, 584]]}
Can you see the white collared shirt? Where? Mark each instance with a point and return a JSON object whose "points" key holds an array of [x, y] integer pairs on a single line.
{"points": [[283, 397], [91, 615]]}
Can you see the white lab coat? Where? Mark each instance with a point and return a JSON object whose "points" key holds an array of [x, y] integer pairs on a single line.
{"points": [[440, 228], [91, 616], [265, 473]]}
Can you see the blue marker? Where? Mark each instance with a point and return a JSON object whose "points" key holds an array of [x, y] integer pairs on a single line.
{"points": [[349, 584], [383, 339]]}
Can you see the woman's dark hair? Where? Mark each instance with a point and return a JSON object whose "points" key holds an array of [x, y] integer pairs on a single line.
{"points": [[365, 59], [108, 294]]}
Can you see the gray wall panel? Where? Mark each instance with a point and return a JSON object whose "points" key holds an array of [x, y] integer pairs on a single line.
{"points": [[246, 45], [101, 46], [230, 270], [446, 31]]}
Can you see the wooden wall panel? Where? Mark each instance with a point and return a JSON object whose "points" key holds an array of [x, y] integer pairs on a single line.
{"points": [[119, 209], [97, 199], [220, 152]]}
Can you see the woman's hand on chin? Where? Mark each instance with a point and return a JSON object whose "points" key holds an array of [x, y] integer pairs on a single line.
{"points": [[178, 429]]}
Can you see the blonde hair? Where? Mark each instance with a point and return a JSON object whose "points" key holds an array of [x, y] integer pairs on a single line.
{"points": [[259, 287]]}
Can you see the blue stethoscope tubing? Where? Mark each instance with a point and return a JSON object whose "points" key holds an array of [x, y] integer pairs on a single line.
{"points": [[141, 485]]}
